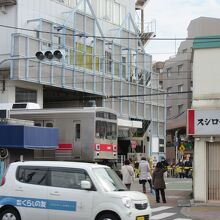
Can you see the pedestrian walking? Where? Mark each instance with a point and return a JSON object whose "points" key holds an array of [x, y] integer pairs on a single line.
{"points": [[158, 182], [181, 169], [145, 175], [127, 172], [188, 166]]}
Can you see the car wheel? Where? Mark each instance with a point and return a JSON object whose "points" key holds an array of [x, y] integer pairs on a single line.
{"points": [[9, 214], [108, 216]]}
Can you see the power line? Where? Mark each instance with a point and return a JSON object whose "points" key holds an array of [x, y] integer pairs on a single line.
{"points": [[154, 94], [110, 37], [176, 116]]}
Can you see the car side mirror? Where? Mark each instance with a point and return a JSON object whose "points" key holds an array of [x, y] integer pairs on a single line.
{"points": [[85, 184]]}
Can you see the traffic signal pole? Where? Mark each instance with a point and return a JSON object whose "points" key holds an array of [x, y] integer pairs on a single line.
{"points": [[15, 58]]}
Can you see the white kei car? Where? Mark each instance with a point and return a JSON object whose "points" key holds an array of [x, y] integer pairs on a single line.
{"points": [[53, 190]]}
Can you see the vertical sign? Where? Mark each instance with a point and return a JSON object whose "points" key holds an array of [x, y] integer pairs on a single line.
{"points": [[191, 122]]}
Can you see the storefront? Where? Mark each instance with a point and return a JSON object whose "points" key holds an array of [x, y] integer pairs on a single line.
{"points": [[18, 142], [204, 125]]}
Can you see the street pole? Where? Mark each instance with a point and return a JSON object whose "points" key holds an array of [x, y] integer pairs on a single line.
{"points": [[176, 141], [15, 58]]}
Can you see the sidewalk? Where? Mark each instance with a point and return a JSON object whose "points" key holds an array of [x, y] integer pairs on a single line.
{"points": [[175, 193], [178, 194], [202, 212]]}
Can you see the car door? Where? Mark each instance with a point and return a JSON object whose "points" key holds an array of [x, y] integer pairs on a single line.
{"points": [[68, 200], [30, 192]]}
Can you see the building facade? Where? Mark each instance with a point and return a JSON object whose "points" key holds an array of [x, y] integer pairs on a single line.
{"points": [[203, 119], [177, 82], [103, 62]]}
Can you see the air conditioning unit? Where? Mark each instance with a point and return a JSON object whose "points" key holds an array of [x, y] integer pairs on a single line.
{"points": [[20, 105], [28, 105]]}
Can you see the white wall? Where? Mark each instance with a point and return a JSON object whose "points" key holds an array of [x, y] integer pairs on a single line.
{"points": [[206, 93], [200, 169], [8, 19], [8, 96], [206, 75], [17, 16]]}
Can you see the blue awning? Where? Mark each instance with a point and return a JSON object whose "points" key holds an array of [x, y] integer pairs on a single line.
{"points": [[21, 136]]}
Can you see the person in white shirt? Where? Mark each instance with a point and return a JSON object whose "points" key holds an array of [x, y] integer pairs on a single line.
{"points": [[127, 172], [145, 175]]}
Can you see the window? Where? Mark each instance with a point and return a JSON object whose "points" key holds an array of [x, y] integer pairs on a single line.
{"points": [[169, 72], [109, 179], [169, 91], [180, 109], [53, 176], [49, 125], [56, 39], [108, 58], [71, 3], [111, 11], [180, 88], [122, 13], [180, 69], [161, 84], [100, 129], [169, 112], [106, 115], [46, 46], [105, 9], [38, 124], [106, 130], [124, 67], [97, 65], [161, 149], [68, 177], [111, 131], [116, 13], [108, 10], [89, 57], [116, 69], [77, 132], [25, 95], [32, 175], [80, 55]]}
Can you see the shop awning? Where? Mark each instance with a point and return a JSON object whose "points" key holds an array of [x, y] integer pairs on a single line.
{"points": [[21, 136]]}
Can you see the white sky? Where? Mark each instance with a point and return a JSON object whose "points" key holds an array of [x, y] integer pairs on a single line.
{"points": [[172, 19]]}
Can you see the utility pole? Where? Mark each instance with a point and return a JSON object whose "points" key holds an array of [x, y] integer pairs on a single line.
{"points": [[176, 142]]}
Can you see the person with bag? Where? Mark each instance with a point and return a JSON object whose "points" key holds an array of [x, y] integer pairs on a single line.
{"points": [[158, 182], [127, 172], [145, 176]]}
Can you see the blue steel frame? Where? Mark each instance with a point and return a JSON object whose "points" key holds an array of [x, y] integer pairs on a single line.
{"points": [[71, 18]]}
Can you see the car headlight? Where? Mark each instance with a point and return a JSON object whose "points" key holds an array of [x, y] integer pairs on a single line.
{"points": [[127, 202]]}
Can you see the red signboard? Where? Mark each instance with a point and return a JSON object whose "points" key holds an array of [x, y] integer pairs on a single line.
{"points": [[65, 147], [191, 122]]}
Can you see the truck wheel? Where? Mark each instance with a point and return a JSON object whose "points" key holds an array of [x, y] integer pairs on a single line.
{"points": [[9, 214], [108, 216]]}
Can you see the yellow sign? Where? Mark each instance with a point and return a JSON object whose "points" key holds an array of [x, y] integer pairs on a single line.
{"points": [[181, 148]]}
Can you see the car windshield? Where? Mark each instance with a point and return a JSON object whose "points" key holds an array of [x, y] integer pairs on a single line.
{"points": [[109, 180]]}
